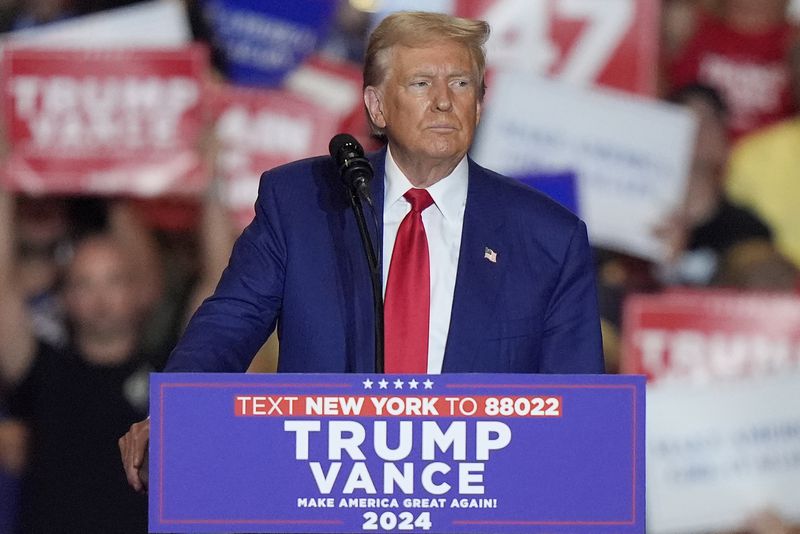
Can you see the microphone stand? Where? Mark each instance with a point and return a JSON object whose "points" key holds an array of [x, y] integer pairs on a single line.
{"points": [[375, 276]]}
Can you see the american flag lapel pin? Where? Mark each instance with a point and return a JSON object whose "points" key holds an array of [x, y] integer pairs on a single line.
{"points": [[490, 255]]}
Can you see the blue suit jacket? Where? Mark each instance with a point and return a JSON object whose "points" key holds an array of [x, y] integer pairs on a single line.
{"points": [[300, 264]]}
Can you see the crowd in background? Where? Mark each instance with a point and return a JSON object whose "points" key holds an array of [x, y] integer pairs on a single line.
{"points": [[94, 295]]}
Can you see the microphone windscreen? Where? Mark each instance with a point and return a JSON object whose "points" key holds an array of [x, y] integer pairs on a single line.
{"points": [[340, 141]]}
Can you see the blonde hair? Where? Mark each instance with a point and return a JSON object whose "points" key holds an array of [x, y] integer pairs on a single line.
{"points": [[416, 29]]}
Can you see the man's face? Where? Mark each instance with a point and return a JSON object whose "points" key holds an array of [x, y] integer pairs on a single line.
{"points": [[428, 102], [100, 294]]}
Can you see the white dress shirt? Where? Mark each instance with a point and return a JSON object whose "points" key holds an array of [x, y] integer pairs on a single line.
{"points": [[443, 221]]}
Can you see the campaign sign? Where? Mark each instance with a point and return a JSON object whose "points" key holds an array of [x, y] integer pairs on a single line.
{"points": [[613, 43], [720, 454], [259, 129], [410, 453], [262, 42], [150, 24], [560, 186], [710, 336], [630, 155], [105, 121]]}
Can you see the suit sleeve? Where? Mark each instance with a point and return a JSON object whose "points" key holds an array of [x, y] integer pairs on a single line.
{"points": [[571, 336], [230, 326]]}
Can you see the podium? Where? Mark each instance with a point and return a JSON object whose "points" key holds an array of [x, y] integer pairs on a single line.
{"points": [[397, 453]]}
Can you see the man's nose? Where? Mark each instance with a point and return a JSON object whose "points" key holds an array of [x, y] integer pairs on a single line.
{"points": [[442, 97]]}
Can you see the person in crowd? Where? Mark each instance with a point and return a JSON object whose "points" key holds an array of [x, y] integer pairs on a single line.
{"points": [[739, 48], [756, 265], [462, 246], [13, 449], [764, 174], [708, 224], [76, 399], [42, 244]]}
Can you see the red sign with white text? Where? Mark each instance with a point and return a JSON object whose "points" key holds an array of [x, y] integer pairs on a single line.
{"points": [[405, 406], [701, 337], [261, 129], [105, 122], [337, 87], [613, 43]]}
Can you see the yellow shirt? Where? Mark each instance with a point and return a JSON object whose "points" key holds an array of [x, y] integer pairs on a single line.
{"points": [[764, 175]]}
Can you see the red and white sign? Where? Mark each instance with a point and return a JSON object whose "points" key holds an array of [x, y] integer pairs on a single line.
{"points": [[337, 87], [701, 337], [405, 406], [105, 122], [612, 43], [261, 129]]}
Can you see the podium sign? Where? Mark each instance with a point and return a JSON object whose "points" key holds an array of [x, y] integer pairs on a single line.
{"points": [[377, 453]]}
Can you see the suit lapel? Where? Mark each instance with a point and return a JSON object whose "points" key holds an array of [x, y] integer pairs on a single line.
{"points": [[478, 279]]}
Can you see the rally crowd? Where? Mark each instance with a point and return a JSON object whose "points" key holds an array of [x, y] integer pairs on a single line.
{"points": [[95, 291]]}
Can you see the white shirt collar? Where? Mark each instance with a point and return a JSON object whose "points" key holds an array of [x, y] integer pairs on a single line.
{"points": [[449, 194]]}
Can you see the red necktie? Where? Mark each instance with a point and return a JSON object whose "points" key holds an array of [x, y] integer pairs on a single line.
{"points": [[408, 293]]}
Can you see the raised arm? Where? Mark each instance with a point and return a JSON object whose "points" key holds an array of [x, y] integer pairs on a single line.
{"points": [[232, 324], [216, 241], [17, 343], [128, 230]]}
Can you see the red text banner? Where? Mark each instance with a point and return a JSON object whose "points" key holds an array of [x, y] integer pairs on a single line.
{"points": [[105, 122], [408, 406]]}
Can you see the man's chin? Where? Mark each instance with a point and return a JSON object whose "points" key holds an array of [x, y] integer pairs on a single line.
{"points": [[104, 333]]}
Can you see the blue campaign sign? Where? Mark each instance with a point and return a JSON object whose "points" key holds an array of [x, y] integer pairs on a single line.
{"points": [[261, 42], [561, 187], [426, 453]]}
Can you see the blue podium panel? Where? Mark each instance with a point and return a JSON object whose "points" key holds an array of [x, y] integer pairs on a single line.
{"points": [[397, 453]]}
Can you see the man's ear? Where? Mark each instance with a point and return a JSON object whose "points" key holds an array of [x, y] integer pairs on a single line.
{"points": [[478, 113], [373, 100]]}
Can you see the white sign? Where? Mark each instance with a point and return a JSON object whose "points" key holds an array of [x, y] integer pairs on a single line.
{"points": [[720, 454], [631, 155], [794, 10], [156, 24]]}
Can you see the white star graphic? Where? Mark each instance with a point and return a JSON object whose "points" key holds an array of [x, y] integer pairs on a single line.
{"points": [[383, 383], [412, 384], [398, 384], [428, 384], [367, 383]]}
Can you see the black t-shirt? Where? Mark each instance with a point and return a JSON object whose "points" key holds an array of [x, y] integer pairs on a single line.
{"points": [[77, 411], [730, 225]]}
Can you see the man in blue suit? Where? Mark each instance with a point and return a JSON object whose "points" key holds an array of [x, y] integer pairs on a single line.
{"points": [[502, 277]]}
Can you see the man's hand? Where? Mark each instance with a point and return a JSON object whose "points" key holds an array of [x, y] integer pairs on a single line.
{"points": [[768, 522], [14, 437], [133, 448]]}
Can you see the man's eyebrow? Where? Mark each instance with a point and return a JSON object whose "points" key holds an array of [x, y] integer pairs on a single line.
{"points": [[461, 74], [430, 73]]}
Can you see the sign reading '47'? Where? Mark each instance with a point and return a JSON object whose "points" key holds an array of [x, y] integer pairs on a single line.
{"points": [[611, 42]]}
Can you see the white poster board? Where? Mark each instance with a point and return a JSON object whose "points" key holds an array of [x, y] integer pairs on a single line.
{"points": [[720, 454], [631, 154], [794, 10], [156, 24]]}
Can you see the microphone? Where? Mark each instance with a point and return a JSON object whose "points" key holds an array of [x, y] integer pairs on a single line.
{"points": [[354, 168], [356, 172]]}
